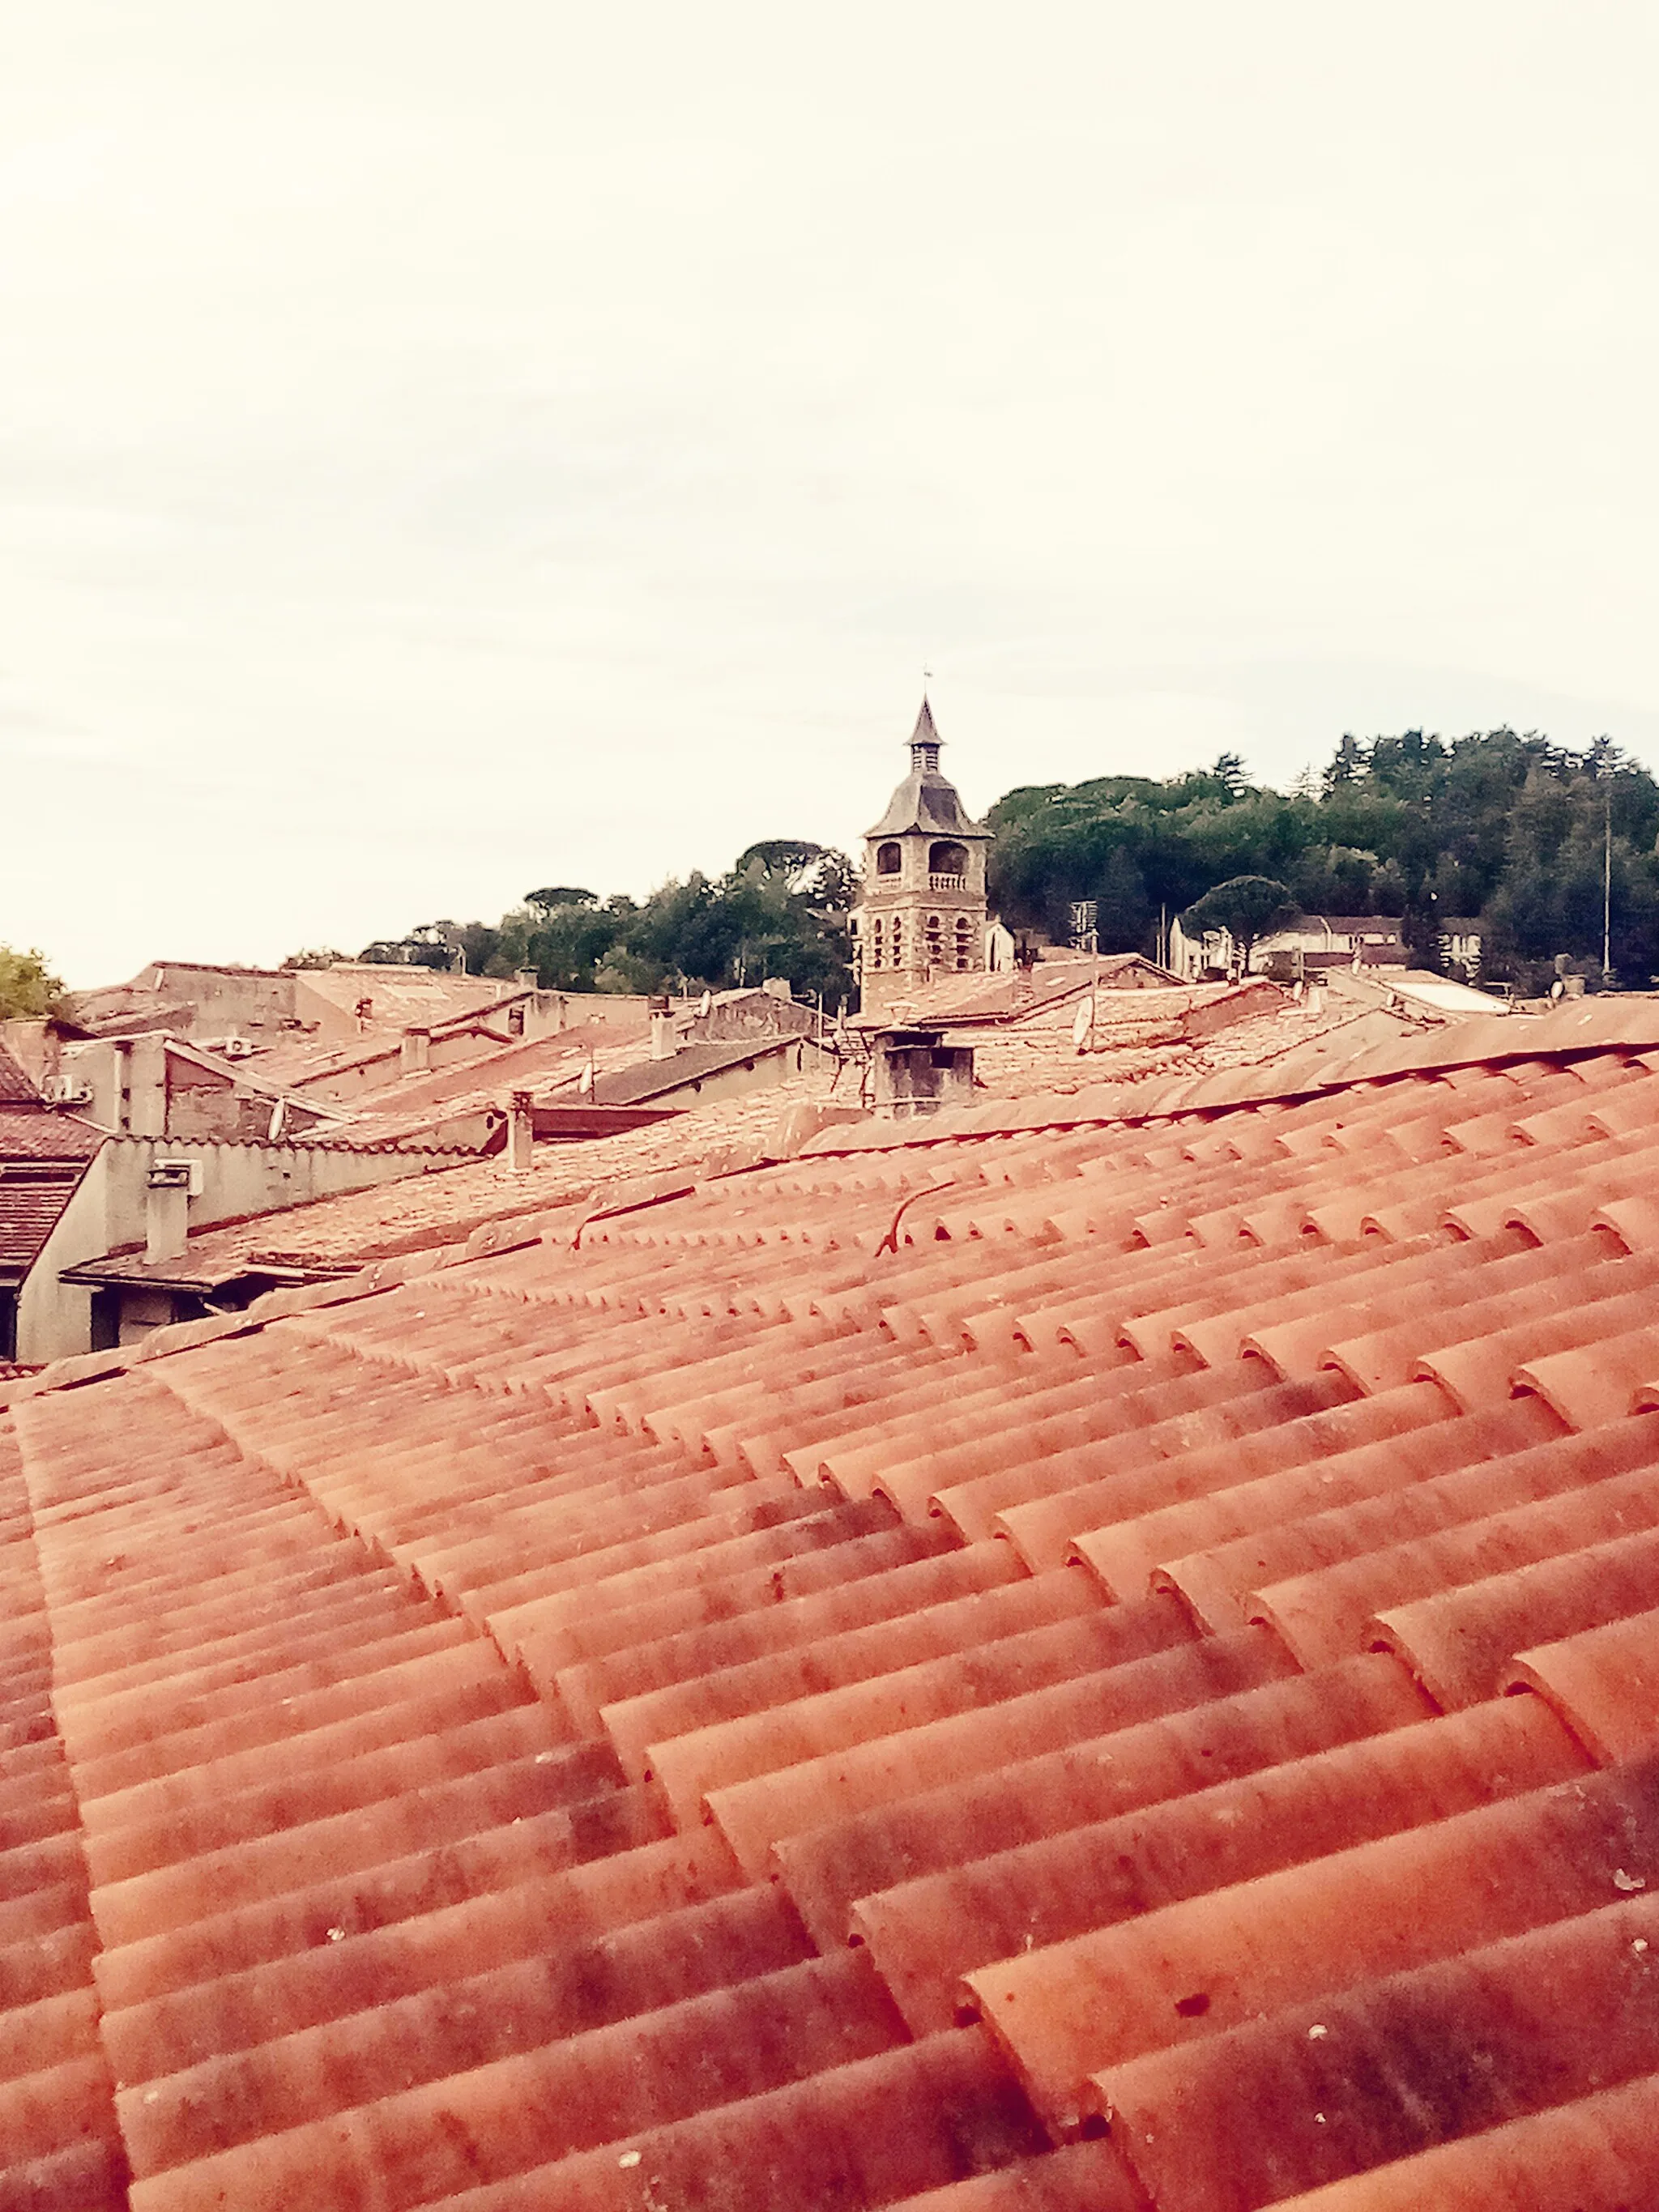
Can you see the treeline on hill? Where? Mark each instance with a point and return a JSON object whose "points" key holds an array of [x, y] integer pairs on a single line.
{"points": [[780, 909], [1506, 830]]}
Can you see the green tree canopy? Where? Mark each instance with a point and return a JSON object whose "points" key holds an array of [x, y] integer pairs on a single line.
{"points": [[28, 989], [1246, 907], [314, 957]]}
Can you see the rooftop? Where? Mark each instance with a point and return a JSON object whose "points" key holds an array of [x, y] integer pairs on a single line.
{"points": [[1095, 1653], [43, 1156]]}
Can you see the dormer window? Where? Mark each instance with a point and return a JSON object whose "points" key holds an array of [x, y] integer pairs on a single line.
{"points": [[889, 858]]}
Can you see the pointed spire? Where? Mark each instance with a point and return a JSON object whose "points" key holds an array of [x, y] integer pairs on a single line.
{"points": [[925, 742], [926, 801]]}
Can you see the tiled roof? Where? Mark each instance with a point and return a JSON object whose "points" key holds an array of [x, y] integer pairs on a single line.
{"points": [[448, 1204], [650, 1078], [127, 1009], [41, 1133], [43, 1156], [1002, 995], [542, 1066], [33, 1196], [16, 1089], [926, 799], [404, 994], [1067, 1660]]}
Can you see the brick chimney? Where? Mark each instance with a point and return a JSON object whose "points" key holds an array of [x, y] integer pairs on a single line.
{"points": [[662, 1029], [415, 1051], [166, 1212]]}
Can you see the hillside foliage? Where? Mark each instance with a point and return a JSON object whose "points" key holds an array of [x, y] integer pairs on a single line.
{"points": [[1507, 831], [1504, 829], [780, 909]]}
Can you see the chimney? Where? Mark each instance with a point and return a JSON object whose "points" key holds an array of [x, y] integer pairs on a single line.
{"points": [[662, 1029], [526, 979], [416, 1056], [166, 1212], [520, 1132], [916, 1071]]}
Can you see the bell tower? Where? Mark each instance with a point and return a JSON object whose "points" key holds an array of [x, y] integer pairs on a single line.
{"points": [[921, 908]]}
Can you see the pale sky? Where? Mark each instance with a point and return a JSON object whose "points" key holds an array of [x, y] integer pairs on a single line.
{"points": [[445, 449]]}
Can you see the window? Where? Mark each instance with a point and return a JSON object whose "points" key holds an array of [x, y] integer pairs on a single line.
{"points": [[106, 1320], [947, 865], [889, 858], [964, 942]]}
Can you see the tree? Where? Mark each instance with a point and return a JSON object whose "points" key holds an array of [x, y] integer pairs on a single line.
{"points": [[28, 989], [1246, 907], [557, 895], [315, 956], [1231, 773]]}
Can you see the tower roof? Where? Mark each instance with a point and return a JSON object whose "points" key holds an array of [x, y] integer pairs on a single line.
{"points": [[926, 801]]}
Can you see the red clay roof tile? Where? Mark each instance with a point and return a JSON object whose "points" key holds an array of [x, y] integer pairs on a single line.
{"points": [[1604, 1682], [1189, 1971], [925, 1933], [1385, 2072], [356, 1881]]}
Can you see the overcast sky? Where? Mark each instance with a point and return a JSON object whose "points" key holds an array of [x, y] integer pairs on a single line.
{"points": [[447, 449]]}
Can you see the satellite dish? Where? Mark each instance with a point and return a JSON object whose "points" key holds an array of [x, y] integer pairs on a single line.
{"points": [[1082, 1021]]}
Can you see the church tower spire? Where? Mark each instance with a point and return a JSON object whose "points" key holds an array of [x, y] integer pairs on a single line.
{"points": [[925, 742], [921, 911]]}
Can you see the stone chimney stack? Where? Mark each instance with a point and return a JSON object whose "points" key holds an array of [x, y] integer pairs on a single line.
{"points": [[520, 1132], [917, 1072], [662, 1029], [415, 1052], [166, 1212], [526, 979]]}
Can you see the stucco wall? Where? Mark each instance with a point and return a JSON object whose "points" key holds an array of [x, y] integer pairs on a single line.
{"points": [[226, 1000], [107, 1209]]}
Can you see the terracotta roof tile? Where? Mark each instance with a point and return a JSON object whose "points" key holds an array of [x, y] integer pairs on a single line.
{"points": [[1085, 2176], [348, 1902], [925, 1933], [1602, 1683], [1088, 2007], [1459, 1642], [1596, 2153], [1366, 2077]]}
